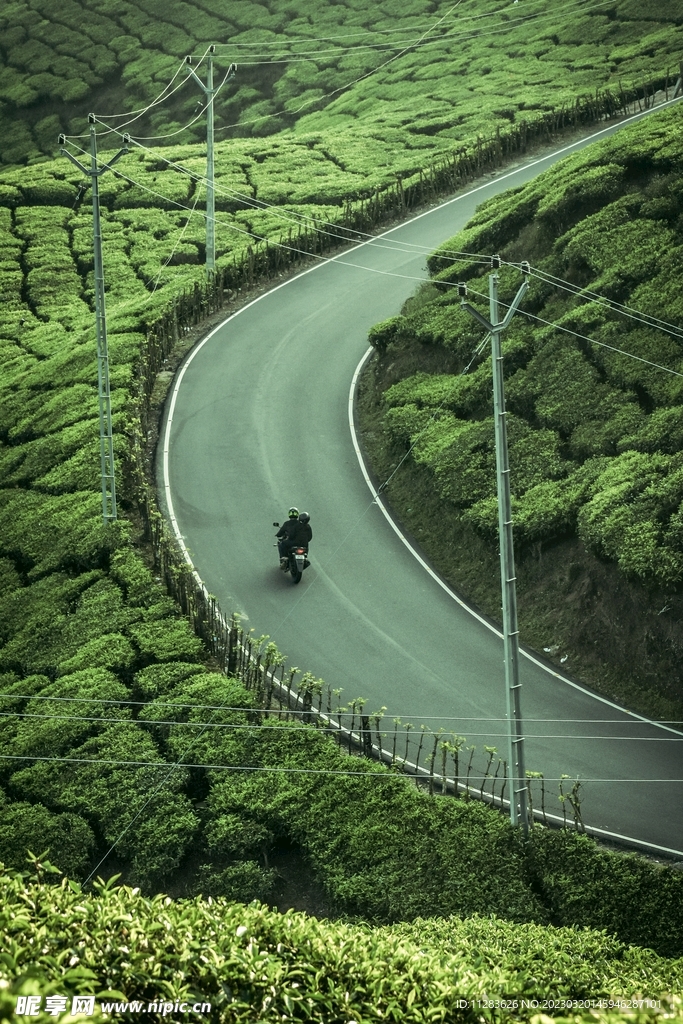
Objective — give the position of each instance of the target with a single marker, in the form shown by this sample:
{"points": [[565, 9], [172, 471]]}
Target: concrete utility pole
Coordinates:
{"points": [[210, 92], [519, 811], [104, 395]]}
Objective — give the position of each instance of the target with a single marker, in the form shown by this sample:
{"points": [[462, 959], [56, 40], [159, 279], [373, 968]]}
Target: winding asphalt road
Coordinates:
{"points": [[259, 420]]}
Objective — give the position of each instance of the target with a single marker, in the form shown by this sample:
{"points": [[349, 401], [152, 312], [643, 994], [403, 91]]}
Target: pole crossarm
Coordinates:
{"points": [[477, 316], [95, 172], [505, 322], [519, 809]]}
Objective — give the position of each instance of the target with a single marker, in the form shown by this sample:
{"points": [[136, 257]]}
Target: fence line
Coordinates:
{"points": [[237, 653]]}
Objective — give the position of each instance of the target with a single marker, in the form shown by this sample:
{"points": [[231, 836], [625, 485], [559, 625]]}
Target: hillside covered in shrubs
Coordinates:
{"points": [[595, 436], [118, 738], [439, 74]]}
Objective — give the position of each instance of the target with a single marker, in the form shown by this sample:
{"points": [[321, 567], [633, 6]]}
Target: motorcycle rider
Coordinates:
{"points": [[305, 534], [296, 532], [285, 536]]}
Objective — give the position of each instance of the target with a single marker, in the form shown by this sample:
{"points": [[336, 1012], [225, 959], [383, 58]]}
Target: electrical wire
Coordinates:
{"points": [[583, 337], [409, 277], [260, 727], [280, 244], [361, 32], [161, 98], [620, 307], [140, 301], [166, 262], [264, 238], [172, 768], [315, 224], [453, 35], [387, 774], [158, 99], [601, 344], [348, 85], [168, 135], [410, 45], [299, 220], [635, 720]]}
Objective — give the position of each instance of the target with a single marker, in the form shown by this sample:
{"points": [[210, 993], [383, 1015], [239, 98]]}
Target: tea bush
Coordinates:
{"points": [[110, 795], [56, 720], [372, 126], [123, 946], [32, 827], [593, 434], [85, 627], [594, 888]]}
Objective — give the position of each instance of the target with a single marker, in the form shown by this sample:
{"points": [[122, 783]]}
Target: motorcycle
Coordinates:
{"points": [[296, 562]]}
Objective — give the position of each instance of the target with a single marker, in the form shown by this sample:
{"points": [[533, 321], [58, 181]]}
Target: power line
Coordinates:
{"points": [[583, 337], [342, 88], [172, 253], [618, 307], [146, 803], [601, 344], [454, 255], [353, 35], [170, 135], [292, 217], [264, 238], [161, 98], [157, 702], [297, 726], [387, 774], [384, 273], [453, 35]]}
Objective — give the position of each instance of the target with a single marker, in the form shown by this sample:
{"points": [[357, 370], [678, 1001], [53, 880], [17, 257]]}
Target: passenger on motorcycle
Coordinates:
{"points": [[296, 532]]}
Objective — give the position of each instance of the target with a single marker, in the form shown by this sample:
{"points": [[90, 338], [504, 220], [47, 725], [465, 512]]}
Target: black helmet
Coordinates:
{"points": [[293, 513], [304, 517]]}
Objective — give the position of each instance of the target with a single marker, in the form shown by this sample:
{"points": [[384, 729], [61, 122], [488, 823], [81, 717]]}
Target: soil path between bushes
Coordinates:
{"points": [[259, 421]]}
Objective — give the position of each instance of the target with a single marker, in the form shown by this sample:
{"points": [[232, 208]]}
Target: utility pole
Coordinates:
{"points": [[210, 92], [103, 392], [519, 812]]}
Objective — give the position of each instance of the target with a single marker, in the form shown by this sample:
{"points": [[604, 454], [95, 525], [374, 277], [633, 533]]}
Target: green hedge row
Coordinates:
{"points": [[383, 850], [378, 115], [251, 963], [595, 437]]}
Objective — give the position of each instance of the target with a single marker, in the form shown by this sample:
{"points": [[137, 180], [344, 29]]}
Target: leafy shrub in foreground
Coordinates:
{"points": [[265, 965], [25, 826], [590, 887], [140, 807], [382, 849]]}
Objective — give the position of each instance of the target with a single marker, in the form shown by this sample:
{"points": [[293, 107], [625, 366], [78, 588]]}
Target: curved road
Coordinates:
{"points": [[259, 419]]}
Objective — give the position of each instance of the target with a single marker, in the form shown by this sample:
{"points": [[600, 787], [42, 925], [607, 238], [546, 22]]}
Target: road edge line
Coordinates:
{"points": [[447, 588]]}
